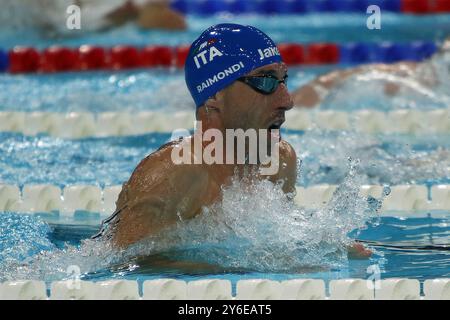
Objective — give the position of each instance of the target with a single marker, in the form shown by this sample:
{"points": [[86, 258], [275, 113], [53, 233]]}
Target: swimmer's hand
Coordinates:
{"points": [[358, 251]]}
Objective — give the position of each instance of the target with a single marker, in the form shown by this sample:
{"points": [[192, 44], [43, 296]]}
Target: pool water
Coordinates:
{"points": [[42, 247], [110, 161], [331, 27], [396, 254], [143, 90]]}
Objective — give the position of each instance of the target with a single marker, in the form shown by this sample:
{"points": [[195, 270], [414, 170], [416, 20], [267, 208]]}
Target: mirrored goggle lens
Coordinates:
{"points": [[264, 84]]}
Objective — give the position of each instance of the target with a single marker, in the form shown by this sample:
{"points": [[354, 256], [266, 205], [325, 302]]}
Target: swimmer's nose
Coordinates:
{"points": [[284, 98]]}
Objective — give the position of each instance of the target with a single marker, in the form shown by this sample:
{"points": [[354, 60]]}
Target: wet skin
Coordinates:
{"points": [[159, 193]]}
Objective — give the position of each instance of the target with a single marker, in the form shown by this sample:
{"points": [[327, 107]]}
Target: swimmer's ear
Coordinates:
{"points": [[215, 102]]}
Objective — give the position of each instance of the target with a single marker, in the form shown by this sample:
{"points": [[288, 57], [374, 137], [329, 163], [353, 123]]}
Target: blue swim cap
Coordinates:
{"points": [[222, 54]]}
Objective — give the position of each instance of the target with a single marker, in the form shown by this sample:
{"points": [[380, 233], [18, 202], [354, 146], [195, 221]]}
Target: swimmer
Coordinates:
{"points": [[50, 16], [251, 94], [148, 15], [426, 73]]}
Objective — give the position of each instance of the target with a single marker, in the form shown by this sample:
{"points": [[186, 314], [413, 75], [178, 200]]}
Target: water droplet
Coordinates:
{"points": [[386, 191]]}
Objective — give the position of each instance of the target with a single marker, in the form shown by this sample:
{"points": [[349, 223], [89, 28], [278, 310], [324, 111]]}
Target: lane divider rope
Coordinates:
{"points": [[88, 57], [110, 124], [219, 289], [208, 7], [42, 198]]}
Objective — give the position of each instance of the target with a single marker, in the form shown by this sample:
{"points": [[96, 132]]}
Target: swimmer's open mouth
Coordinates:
{"points": [[276, 125]]}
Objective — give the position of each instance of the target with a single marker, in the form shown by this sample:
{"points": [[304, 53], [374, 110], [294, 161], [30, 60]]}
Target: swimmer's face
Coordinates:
{"points": [[245, 108]]}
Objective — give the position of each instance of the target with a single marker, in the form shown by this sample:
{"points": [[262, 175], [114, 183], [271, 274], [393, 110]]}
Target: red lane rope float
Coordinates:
{"points": [[157, 56], [60, 59], [322, 53], [416, 6], [181, 54], [441, 6], [23, 60], [425, 6], [125, 57], [56, 59], [92, 58], [292, 53]]}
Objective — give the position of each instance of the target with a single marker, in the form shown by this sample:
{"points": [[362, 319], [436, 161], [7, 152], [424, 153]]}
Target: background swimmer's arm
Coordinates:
{"points": [[306, 96], [159, 15], [312, 93], [315, 91], [332, 79], [152, 15], [123, 14]]}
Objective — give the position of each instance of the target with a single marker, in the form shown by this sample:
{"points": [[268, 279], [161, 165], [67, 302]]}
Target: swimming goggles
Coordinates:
{"points": [[265, 84]]}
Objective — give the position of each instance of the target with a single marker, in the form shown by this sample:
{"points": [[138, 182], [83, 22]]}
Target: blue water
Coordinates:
{"points": [[153, 89], [333, 27], [162, 89], [387, 159], [390, 159], [402, 261]]}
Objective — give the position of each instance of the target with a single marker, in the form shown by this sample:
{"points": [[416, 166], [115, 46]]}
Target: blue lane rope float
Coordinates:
{"points": [[208, 7], [4, 61], [388, 52]]}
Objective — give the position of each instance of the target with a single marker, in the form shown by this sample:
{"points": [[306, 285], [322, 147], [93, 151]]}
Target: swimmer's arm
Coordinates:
{"points": [[311, 94], [148, 216], [157, 196], [141, 218], [331, 79], [306, 96], [120, 15], [162, 263], [159, 15]]}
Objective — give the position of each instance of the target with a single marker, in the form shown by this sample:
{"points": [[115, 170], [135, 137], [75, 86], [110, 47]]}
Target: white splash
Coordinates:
{"points": [[255, 227]]}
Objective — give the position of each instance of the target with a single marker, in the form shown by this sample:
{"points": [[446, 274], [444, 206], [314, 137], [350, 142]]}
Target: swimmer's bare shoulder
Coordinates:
{"points": [[157, 195]]}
